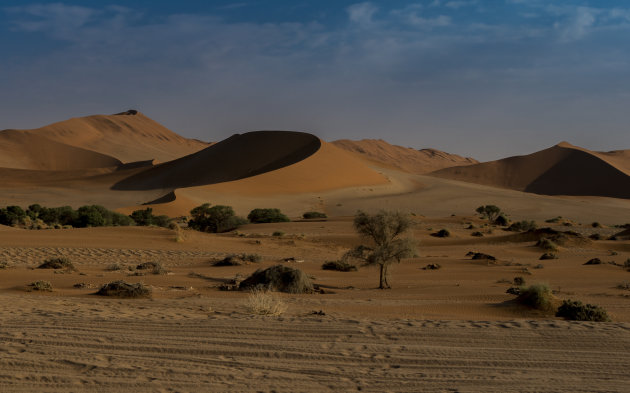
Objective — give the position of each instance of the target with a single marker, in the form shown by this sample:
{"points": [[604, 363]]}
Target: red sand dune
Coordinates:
{"points": [[246, 155], [128, 137], [405, 158], [560, 170]]}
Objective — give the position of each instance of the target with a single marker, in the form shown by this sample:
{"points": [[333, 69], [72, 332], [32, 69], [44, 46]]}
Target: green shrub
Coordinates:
{"points": [[215, 219], [490, 212], [12, 215], [145, 218], [538, 296], [340, 266], [576, 311], [310, 215], [259, 216], [523, 226]]}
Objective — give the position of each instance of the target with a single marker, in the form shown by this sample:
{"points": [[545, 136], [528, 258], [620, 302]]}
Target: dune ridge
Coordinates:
{"points": [[409, 160], [559, 170], [128, 137]]}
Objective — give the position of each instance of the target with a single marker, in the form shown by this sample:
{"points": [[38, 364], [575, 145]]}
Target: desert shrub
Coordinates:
{"points": [[522, 226], [441, 233], [576, 311], [489, 212], [12, 215], [477, 234], [480, 256], [154, 267], [57, 263], [264, 302], [547, 244], [278, 233], [548, 255], [501, 220], [514, 291], [40, 285], [115, 267], [340, 266], [123, 289], [594, 261], [554, 220], [520, 281], [63, 215], [98, 216], [626, 264], [596, 236], [146, 217], [538, 296], [230, 260], [310, 215], [596, 225], [259, 216], [432, 266], [624, 285], [280, 278], [215, 219]]}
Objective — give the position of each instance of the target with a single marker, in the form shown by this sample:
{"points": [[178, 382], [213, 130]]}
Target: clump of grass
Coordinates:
{"points": [[251, 257], [548, 255], [278, 234], [537, 296], [154, 267], [179, 233], [547, 244], [432, 266], [577, 311], [57, 263], [115, 267], [264, 302], [442, 233], [123, 289], [477, 234], [340, 266], [43, 286], [520, 281], [624, 285], [522, 226]]}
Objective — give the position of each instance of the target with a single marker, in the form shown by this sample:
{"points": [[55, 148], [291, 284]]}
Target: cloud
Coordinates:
{"points": [[362, 13]]}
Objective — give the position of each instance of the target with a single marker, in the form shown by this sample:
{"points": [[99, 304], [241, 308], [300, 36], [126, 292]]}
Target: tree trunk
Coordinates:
{"points": [[383, 284], [380, 283]]}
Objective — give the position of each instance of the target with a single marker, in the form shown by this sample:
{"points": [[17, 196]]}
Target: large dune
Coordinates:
{"points": [[560, 170], [256, 153], [405, 158], [128, 137]]}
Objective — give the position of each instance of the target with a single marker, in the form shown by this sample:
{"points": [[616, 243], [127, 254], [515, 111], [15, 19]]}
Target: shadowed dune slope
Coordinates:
{"points": [[560, 170], [405, 158], [128, 137], [238, 157], [22, 150]]}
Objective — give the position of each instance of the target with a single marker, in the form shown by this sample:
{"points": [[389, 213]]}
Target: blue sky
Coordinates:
{"points": [[480, 78]]}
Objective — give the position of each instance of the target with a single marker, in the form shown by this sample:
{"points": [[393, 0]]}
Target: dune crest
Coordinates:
{"points": [[409, 160], [127, 137], [563, 169]]}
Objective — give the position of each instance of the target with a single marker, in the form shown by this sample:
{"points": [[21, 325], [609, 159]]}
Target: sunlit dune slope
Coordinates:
{"points": [[560, 170], [256, 153], [23, 150], [128, 137], [405, 158]]}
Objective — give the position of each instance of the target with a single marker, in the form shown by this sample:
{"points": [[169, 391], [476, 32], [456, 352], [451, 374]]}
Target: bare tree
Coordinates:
{"points": [[384, 229]]}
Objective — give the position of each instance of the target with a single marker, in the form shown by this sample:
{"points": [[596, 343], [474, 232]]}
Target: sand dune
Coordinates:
{"points": [[408, 159], [23, 150], [234, 161], [560, 170], [127, 137]]}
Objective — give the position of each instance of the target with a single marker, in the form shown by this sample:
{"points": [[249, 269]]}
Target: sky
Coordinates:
{"points": [[486, 79]]}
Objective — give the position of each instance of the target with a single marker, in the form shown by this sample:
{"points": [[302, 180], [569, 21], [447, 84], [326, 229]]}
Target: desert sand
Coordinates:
{"points": [[451, 329]]}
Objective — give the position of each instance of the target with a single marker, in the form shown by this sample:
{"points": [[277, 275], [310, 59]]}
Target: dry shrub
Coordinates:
{"points": [[577, 311], [124, 290], [280, 278], [264, 302], [538, 296], [57, 263], [547, 244], [43, 286], [340, 266], [154, 267]]}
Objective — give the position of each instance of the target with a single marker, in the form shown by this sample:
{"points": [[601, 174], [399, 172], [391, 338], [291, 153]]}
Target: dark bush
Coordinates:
{"points": [[576, 311], [441, 233], [146, 217], [155, 267], [310, 215], [280, 278], [12, 215], [548, 255], [626, 264], [259, 216], [520, 281], [57, 263], [594, 261], [596, 236], [230, 260], [477, 234], [215, 219], [490, 212], [432, 266], [501, 220], [123, 289], [340, 266], [596, 225], [522, 226], [481, 256]]}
